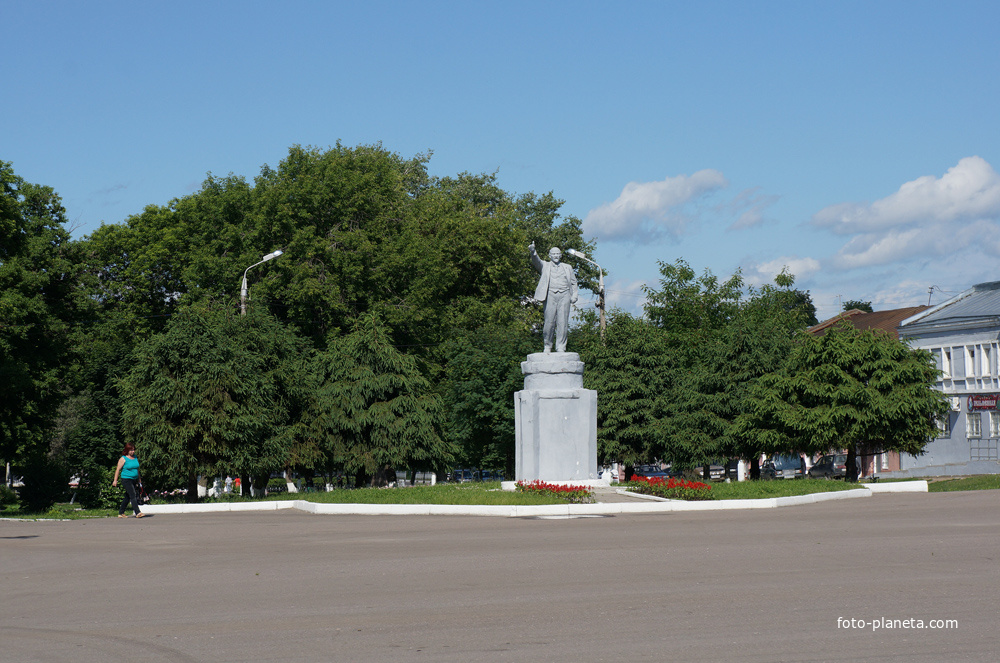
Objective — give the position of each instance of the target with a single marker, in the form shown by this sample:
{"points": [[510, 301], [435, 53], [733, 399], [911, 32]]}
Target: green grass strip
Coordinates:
{"points": [[980, 482]]}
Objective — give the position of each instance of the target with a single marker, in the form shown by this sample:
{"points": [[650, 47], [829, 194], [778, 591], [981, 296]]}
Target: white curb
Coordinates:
{"points": [[524, 511]]}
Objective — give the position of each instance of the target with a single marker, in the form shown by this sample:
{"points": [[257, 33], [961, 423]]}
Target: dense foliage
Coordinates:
{"points": [[388, 335], [860, 390], [352, 342]]}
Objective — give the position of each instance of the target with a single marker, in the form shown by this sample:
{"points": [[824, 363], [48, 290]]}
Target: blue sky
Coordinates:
{"points": [[856, 143]]}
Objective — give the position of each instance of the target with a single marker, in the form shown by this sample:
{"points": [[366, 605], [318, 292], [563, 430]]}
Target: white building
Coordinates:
{"points": [[963, 334]]}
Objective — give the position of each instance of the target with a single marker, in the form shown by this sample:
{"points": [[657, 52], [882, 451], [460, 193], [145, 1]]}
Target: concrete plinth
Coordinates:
{"points": [[555, 421]]}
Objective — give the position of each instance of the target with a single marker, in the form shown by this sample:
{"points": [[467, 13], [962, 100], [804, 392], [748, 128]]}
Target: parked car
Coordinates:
{"points": [[831, 466], [489, 475], [716, 472], [783, 466], [463, 475], [649, 471]]}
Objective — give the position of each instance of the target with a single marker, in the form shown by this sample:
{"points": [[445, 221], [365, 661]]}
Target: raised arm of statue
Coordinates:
{"points": [[535, 260]]}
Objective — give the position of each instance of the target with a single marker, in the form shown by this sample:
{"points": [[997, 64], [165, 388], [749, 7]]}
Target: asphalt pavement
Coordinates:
{"points": [[761, 585]]}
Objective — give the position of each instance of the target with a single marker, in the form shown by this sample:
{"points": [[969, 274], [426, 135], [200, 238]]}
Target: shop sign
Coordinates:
{"points": [[983, 402]]}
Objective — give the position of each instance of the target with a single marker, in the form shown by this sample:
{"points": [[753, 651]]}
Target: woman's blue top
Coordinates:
{"points": [[130, 470]]}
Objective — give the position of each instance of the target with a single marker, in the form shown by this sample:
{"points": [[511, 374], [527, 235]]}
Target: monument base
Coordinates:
{"points": [[555, 421]]}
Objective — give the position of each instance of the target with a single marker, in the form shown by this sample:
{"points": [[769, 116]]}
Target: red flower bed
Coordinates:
{"points": [[670, 488], [572, 494]]}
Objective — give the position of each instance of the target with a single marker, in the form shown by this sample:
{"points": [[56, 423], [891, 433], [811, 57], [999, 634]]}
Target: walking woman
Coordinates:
{"points": [[128, 467]]}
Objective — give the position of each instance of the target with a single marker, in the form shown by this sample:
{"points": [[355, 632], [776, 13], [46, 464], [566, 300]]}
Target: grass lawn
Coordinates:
{"points": [[478, 494], [751, 490], [61, 511], [980, 482]]}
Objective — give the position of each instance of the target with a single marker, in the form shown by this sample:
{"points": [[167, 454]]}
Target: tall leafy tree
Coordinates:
{"points": [[630, 371], [756, 341], [38, 286], [857, 389], [382, 412], [693, 311], [212, 394], [483, 373]]}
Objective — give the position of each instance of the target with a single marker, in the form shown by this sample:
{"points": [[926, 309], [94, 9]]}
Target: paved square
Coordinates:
{"points": [[764, 585]]}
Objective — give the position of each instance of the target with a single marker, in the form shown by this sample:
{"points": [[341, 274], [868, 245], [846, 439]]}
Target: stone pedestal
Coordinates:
{"points": [[555, 421]]}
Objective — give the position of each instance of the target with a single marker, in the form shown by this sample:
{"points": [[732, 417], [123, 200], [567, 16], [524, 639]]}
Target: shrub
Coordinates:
{"points": [[45, 482], [96, 491], [7, 496]]}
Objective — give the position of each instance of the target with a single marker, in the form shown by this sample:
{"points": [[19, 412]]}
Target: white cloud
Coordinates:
{"points": [[927, 218], [932, 240], [627, 295], [758, 274], [970, 190], [651, 209], [749, 205]]}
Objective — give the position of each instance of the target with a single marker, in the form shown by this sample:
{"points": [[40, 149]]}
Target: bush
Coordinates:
{"points": [[96, 491], [7, 496], [45, 482]]}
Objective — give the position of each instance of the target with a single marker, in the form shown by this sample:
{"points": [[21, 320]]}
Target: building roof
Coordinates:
{"points": [[978, 306], [885, 321]]}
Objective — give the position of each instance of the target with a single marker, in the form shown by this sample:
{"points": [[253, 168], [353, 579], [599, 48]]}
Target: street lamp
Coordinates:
{"points": [[243, 287], [600, 285]]}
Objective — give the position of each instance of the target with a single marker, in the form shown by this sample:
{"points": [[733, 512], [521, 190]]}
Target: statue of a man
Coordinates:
{"points": [[557, 289]]}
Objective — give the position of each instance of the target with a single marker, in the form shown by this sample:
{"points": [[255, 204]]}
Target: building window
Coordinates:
{"points": [[973, 425], [970, 362], [987, 364], [983, 450], [946, 362], [994, 424]]}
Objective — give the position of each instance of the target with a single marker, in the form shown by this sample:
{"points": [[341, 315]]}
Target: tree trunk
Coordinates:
{"points": [[192, 489], [260, 484], [851, 471]]}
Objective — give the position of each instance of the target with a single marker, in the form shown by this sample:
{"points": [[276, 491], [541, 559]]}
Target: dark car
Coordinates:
{"points": [[831, 466], [460, 475], [783, 466], [649, 471]]}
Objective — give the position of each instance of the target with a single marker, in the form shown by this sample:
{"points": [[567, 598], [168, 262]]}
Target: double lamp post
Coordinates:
{"points": [[600, 285]]}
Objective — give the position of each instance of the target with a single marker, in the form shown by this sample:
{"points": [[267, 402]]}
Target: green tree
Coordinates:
{"points": [[693, 312], [212, 394], [381, 411], [483, 373], [861, 390], [755, 342], [852, 304], [630, 372], [38, 285]]}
